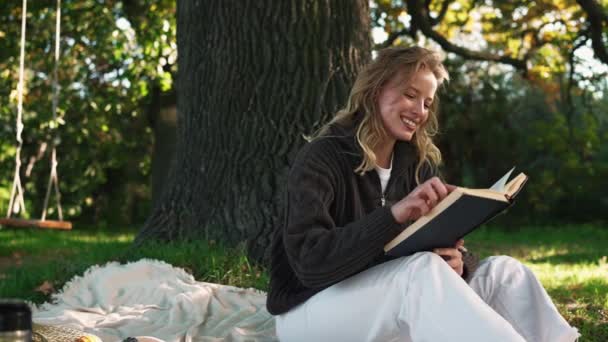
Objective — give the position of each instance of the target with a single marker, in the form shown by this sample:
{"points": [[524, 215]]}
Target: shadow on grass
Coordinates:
{"points": [[594, 333], [565, 254], [590, 330], [583, 306], [592, 257]]}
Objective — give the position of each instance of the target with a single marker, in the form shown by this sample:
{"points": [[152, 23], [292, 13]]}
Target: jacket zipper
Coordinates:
{"points": [[383, 193], [388, 186], [391, 180]]}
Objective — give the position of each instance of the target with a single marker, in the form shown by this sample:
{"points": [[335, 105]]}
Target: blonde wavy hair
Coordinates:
{"points": [[391, 61]]}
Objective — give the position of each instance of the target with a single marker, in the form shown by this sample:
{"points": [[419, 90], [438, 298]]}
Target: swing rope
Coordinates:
{"points": [[53, 178], [17, 203], [17, 189]]}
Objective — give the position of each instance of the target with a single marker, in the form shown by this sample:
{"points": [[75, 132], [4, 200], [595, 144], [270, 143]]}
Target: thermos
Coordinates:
{"points": [[15, 321]]}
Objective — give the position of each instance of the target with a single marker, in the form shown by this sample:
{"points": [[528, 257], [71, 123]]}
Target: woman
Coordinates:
{"points": [[370, 172]]}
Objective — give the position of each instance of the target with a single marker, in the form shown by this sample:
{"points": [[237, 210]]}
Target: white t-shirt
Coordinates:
{"points": [[384, 174]]}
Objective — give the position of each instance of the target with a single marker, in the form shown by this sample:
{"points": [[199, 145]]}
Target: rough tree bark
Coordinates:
{"points": [[162, 118], [254, 76]]}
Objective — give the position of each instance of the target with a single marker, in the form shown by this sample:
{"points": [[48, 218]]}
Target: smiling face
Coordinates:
{"points": [[404, 105]]}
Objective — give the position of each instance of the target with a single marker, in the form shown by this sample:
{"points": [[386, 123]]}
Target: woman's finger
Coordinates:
{"points": [[450, 187], [450, 252], [453, 257], [419, 206], [439, 187], [429, 195], [455, 263]]}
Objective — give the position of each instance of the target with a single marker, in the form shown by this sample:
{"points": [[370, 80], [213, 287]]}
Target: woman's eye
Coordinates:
{"points": [[409, 96]]}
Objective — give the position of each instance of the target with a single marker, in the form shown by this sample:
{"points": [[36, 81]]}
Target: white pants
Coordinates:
{"points": [[420, 298]]}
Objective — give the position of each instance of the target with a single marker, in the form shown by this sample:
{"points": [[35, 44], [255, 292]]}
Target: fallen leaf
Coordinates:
{"points": [[17, 258], [576, 305], [45, 288]]}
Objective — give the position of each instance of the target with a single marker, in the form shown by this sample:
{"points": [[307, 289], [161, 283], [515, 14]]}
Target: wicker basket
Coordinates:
{"points": [[54, 333]]}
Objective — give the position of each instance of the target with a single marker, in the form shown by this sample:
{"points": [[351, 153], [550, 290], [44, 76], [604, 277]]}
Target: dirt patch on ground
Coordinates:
{"points": [[18, 258], [15, 259], [6, 262]]}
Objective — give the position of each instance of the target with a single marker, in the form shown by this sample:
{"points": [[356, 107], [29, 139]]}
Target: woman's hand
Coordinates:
{"points": [[420, 201], [453, 256]]}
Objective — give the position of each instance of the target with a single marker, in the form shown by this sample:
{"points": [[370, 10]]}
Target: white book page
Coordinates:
{"points": [[500, 185]]}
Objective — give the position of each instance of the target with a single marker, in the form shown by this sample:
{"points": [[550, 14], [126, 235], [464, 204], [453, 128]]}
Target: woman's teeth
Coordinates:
{"points": [[408, 122]]}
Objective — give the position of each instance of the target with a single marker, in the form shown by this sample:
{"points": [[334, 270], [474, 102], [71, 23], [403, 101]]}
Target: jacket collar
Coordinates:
{"points": [[404, 153]]}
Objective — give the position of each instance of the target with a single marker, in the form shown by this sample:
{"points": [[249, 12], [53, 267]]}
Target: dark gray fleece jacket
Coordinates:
{"points": [[335, 223]]}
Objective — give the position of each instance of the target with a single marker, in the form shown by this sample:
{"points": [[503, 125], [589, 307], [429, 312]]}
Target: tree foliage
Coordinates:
{"points": [[491, 123], [535, 37], [111, 55], [528, 88]]}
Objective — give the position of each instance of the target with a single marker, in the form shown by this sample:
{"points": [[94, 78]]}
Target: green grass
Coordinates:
{"points": [[30, 257], [570, 261]]}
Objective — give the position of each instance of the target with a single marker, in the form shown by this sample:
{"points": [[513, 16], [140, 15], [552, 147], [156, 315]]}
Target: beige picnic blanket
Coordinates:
{"points": [[153, 298]]}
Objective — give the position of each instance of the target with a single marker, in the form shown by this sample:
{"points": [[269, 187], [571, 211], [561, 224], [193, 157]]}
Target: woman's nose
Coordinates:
{"points": [[419, 107]]}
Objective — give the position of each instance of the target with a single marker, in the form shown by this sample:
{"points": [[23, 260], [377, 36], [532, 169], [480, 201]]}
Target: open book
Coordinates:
{"points": [[456, 215]]}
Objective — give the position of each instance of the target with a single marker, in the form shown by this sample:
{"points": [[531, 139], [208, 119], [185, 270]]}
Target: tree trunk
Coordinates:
{"points": [[162, 118], [253, 78]]}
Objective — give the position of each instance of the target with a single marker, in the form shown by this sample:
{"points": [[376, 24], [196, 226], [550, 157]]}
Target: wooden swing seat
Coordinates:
{"points": [[46, 224]]}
